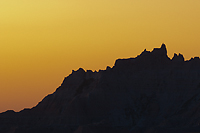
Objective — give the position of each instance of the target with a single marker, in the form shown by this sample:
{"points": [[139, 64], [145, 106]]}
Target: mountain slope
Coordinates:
{"points": [[149, 93]]}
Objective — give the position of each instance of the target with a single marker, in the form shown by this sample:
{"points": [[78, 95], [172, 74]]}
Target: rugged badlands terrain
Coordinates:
{"points": [[149, 93]]}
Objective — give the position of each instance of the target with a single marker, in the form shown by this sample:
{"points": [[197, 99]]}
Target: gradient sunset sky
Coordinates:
{"points": [[42, 41]]}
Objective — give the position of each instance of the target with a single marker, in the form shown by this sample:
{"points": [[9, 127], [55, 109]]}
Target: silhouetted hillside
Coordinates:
{"points": [[149, 93]]}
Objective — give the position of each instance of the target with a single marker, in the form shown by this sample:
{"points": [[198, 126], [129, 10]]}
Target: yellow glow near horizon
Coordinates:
{"points": [[42, 41]]}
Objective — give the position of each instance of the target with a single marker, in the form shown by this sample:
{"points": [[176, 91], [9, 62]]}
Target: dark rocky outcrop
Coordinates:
{"points": [[149, 93]]}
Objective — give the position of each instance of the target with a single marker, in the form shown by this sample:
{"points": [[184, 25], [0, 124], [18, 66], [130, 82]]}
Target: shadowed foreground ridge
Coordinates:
{"points": [[149, 93]]}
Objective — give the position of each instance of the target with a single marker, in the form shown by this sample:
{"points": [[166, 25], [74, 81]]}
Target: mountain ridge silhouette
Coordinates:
{"points": [[148, 93]]}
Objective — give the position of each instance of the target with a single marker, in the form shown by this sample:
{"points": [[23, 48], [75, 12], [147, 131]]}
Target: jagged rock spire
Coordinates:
{"points": [[162, 51], [178, 58], [163, 46]]}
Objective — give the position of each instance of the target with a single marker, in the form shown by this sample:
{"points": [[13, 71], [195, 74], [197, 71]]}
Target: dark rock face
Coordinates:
{"points": [[149, 93]]}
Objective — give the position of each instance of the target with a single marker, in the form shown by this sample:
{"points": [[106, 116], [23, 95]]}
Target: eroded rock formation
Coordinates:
{"points": [[149, 93]]}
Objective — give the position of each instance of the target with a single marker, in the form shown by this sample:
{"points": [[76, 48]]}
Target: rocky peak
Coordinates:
{"points": [[80, 70], [162, 51], [157, 57], [178, 58]]}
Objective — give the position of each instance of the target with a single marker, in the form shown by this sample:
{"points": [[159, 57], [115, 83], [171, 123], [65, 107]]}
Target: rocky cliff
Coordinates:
{"points": [[149, 93]]}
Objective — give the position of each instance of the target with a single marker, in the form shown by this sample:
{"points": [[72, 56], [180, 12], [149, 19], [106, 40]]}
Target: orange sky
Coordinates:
{"points": [[41, 41]]}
